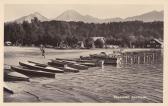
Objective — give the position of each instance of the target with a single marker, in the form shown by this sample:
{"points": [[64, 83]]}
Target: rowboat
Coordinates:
{"points": [[78, 60], [89, 64], [66, 59], [57, 63], [7, 89], [38, 64], [63, 66], [32, 73], [77, 66], [41, 67], [14, 76], [73, 64], [78, 63]]}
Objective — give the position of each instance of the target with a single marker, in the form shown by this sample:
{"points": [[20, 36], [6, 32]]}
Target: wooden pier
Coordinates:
{"points": [[143, 57]]}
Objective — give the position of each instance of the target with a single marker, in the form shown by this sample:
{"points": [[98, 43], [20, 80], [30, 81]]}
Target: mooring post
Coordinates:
{"points": [[147, 59], [119, 59], [102, 65], [131, 60], [138, 59], [144, 58], [153, 59], [126, 59]]}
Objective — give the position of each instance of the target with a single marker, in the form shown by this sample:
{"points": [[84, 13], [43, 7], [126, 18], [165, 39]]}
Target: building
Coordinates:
{"points": [[154, 43], [8, 43], [112, 46]]}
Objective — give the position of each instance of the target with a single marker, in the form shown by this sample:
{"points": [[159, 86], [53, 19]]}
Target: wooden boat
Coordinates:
{"points": [[78, 63], [78, 66], [74, 64], [8, 90], [89, 64], [38, 64], [110, 59], [41, 67], [65, 59], [63, 66], [78, 60], [32, 73], [71, 64], [14, 76], [57, 63]]}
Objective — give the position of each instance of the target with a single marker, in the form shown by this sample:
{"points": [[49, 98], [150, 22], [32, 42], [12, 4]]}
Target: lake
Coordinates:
{"points": [[133, 83]]}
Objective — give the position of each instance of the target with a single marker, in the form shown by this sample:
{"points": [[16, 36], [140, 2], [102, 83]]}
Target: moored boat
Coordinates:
{"points": [[63, 66], [77, 63], [57, 63], [14, 76], [32, 73], [7, 89], [41, 67], [89, 64]]}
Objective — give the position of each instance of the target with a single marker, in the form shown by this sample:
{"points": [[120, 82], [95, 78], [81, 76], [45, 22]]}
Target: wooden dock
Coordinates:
{"points": [[141, 57]]}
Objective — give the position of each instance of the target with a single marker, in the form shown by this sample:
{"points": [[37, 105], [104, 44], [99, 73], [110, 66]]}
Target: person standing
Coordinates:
{"points": [[42, 50]]}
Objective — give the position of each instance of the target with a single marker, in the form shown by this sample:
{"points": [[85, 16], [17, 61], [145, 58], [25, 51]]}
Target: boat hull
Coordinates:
{"points": [[15, 76], [32, 73], [42, 68], [63, 67]]}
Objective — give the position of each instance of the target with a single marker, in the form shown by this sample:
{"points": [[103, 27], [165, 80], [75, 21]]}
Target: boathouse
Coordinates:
{"points": [[154, 43]]}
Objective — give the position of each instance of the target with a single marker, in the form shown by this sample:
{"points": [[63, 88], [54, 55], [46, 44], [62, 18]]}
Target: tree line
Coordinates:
{"points": [[56, 33]]}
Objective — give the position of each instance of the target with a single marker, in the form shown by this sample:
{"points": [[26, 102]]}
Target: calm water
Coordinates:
{"points": [[130, 83]]}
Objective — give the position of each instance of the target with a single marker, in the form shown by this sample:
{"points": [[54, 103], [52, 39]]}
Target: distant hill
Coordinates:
{"points": [[30, 17], [148, 17], [72, 15]]}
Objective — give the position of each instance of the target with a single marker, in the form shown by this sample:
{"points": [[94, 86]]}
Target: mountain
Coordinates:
{"points": [[117, 19], [30, 17], [72, 15], [148, 17]]}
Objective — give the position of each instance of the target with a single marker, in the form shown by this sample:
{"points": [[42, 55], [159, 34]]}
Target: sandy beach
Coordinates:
{"points": [[142, 83]]}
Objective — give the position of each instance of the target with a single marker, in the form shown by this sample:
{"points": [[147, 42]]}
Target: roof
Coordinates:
{"points": [[95, 38], [159, 41], [8, 42]]}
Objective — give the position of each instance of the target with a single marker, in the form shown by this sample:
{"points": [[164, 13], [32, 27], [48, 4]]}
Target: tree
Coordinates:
{"points": [[71, 41], [99, 43], [89, 43], [123, 33], [132, 39]]}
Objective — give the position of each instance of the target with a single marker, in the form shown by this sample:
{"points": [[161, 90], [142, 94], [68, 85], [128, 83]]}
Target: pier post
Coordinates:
{"points": [[147, 59], [144, 58], [138, 59], [153, 58], [126, 59], [119, 59], [102, 65], [131, 60]]}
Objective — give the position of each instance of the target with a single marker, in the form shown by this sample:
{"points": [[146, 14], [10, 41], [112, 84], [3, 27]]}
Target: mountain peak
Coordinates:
{"points": [[73, 15], [28, 18], [148, 17], [36, 13]]}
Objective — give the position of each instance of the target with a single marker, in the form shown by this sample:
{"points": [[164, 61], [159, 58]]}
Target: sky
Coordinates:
{"points": [[15, 11]]}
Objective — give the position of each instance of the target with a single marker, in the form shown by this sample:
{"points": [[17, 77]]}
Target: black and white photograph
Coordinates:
{"points": [[83, 53]]}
